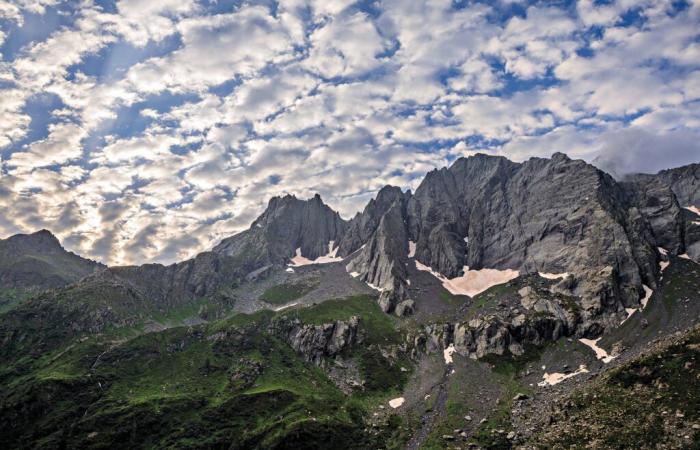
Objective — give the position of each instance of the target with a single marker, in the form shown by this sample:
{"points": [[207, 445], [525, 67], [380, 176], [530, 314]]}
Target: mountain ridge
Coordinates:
{"points": [[293, 333]]}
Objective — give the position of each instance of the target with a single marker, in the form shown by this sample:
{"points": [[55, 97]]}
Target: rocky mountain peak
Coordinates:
{"points": [[38, 261], [560, 157], [42, 240], [287, 225]]}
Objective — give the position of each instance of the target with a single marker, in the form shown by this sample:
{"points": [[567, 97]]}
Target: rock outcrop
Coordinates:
{"points": [[533, 317], [317, 342]]}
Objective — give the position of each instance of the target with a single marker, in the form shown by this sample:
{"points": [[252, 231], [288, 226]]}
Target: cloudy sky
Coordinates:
{"points": [[141, 131]]}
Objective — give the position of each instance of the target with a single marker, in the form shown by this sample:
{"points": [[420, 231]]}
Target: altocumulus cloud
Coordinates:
{"points": [[143, 131]]}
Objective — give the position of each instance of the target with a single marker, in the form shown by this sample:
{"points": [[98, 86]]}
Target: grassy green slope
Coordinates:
{"points": [[228, 384]]}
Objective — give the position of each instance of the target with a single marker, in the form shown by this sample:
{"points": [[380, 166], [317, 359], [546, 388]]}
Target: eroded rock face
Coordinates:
{"points": [[675, 229], [536, 314], [492, 334], [692, 239], [316, 342], [450, 201], [363, 226]]}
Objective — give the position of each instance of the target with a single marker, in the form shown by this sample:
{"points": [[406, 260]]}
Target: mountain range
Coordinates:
{"points": [[489, 308]]}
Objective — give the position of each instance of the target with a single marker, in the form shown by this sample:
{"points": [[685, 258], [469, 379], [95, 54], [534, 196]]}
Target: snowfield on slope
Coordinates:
{"points": [[299, 260], [550, 379], [600, 353], [473, 282]]}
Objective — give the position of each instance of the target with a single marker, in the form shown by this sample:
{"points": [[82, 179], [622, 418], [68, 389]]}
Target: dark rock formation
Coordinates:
{"points": [[450, 201], [550, 215], [364, 224], [677, 231]]}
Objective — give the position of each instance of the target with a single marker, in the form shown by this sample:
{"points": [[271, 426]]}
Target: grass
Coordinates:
{"points": [[226, 384], [9, 297], [285, 293], [447, 297], [198, 308]]}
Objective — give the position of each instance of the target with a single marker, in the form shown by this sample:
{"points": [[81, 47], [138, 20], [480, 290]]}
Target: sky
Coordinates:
{"points": [[143, 131]]}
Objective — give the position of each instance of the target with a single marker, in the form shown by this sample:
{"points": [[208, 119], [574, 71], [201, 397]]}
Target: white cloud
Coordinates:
{"points": [[62, 145], [346, 46], [215, 49], [143, 21], [635, 150]]}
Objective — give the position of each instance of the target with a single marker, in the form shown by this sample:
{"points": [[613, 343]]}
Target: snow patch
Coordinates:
{"points": [[629, 311], [447, 353], [553, 276], [647, 295], [600, 353], [331, 257], [357, 274], [663, 251], [648, 292], [280, 308], [693, 209], [663, 265], [685, 256], [411, 249], [473, 282], [289, 270], [376, 288], [395, 403], [550, 379]]}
